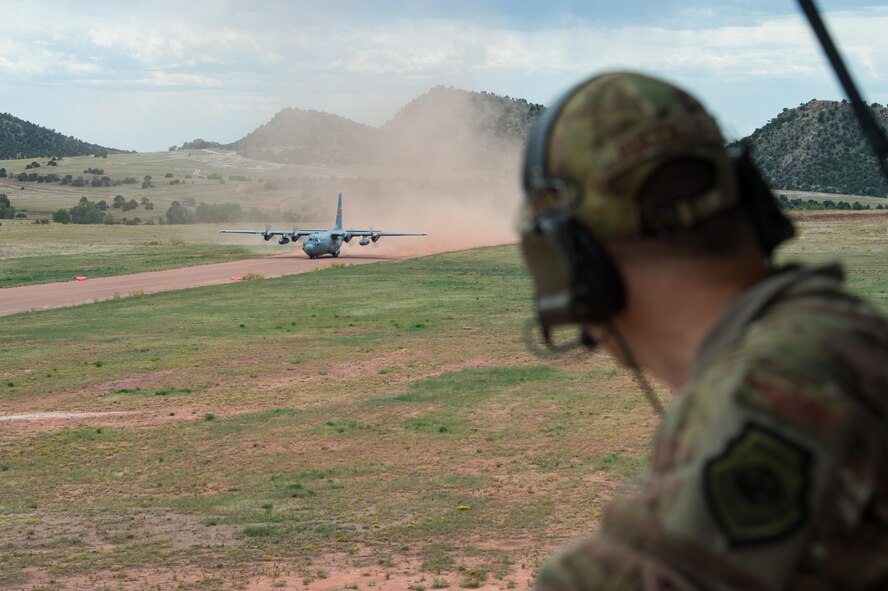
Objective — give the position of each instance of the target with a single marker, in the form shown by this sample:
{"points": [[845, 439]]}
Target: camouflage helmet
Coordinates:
{"points": [[591, 152], [587, 159]]}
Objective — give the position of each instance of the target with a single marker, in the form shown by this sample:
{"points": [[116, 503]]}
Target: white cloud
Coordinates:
{"points": [[178, 45], [776, 47], [167, 79], [310, 55], [19, 59]]}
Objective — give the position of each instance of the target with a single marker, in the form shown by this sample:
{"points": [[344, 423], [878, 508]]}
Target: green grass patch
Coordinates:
{"points": [[623, 466], [473, 385], [61, 267]]}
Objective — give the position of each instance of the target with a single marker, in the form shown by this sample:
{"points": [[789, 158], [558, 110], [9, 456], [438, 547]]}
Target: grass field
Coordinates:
{"points": [[298, 192], [378, 426], [31, 254]]}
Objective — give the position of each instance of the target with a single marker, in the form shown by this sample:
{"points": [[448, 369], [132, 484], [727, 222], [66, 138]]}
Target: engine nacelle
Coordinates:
{"points": [[266, 236], [375, 236], [364, 241], [346, 238], [283, 240]]}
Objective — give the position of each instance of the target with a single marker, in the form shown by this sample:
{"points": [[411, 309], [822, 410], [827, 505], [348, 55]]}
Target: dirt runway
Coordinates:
{"points": [[72, 293]]}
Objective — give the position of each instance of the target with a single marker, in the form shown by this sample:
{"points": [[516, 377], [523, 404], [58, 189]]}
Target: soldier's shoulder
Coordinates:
{"points": [[810, 361]]}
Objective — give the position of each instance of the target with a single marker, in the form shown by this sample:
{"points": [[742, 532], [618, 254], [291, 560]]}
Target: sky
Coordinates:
{"points": [[146, 76]]}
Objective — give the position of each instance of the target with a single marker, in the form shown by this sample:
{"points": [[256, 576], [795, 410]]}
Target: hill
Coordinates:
{"points": [[497, 117], [818, 146], [444, 126], [815, 147], [22, 139], [450, 128], [297, 136]]}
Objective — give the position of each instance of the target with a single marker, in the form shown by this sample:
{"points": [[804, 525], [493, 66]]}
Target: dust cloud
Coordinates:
{"points": [[473, 213], [465, 163]]}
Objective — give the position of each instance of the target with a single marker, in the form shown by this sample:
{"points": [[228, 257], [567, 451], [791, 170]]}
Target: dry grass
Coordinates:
{"points": [[373, 425]]}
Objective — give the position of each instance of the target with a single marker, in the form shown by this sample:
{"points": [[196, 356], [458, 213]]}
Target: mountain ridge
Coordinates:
{"points": [[819, 146], [443, 124], [23, 139]]}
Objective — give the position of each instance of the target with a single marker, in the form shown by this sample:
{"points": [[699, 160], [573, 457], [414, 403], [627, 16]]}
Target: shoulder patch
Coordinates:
{"points": [[757, 488]]}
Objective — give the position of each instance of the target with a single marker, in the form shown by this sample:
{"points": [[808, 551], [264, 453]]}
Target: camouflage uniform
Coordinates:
{"points": [[770, 471]]}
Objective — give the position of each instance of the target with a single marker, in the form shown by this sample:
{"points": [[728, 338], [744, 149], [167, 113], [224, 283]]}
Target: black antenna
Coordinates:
{"points": [[874, 134]]}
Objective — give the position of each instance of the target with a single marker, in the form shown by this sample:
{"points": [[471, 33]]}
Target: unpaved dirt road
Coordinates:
{"points": [[73, 293]]}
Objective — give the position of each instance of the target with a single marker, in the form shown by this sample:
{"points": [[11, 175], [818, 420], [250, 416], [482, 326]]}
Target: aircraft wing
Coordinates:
{"points": [[270, 233], [372, 233]]}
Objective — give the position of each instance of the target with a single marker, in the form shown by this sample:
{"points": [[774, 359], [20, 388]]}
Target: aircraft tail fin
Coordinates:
{"points": [[338, 225]]}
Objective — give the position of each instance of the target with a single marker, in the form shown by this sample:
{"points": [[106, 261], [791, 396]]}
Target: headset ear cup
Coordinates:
{"points": [[598, 290]]}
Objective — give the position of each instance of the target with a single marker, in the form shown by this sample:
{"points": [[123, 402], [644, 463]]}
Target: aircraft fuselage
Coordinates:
{"points": [[314, 245]]}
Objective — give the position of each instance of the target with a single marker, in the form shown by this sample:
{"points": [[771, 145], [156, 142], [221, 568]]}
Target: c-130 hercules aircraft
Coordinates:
{"points": [[318, 242]]}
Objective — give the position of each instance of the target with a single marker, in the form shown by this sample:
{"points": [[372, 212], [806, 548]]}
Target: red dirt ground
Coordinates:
{"points": [[73, 293]]}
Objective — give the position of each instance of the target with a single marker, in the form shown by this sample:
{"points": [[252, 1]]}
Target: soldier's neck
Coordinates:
{"points": [[670, 311]]}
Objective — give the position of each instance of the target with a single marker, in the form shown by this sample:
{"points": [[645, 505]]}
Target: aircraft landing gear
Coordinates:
{"points": [[336, 254]]}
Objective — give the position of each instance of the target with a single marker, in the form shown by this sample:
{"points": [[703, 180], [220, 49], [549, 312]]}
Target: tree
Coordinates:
{"points": [[118, 202], [61, 216], [7, 211], [86, 212], [179, 214], [2, 173], [131, 204], [217, 212]]}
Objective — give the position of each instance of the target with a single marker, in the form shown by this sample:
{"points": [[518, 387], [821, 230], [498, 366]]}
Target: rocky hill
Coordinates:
{"points": [[818, 146], [21, 139]]}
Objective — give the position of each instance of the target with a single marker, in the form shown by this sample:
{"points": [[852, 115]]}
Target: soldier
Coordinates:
{"points": [[769, 468]]}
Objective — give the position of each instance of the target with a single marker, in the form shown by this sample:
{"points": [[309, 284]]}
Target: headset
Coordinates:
{"points": [[576, 279]]}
